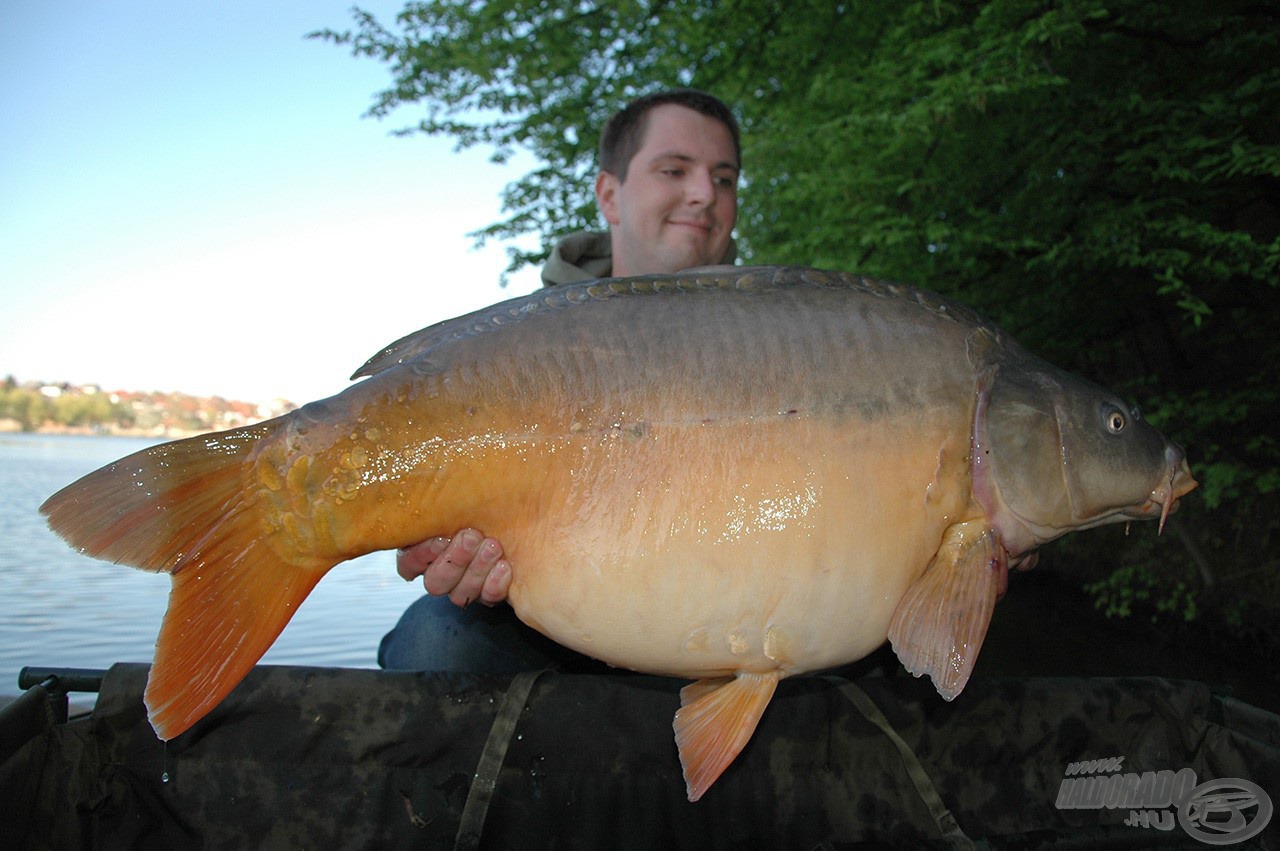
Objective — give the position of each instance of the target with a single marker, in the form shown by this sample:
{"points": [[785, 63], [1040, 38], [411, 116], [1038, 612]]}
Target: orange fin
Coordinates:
{"points": [[182, 507], [715, 722], [152, 508], [223, 615], [942, 619]]}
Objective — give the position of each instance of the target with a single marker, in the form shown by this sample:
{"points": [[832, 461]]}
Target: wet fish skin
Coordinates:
{"points": [[731, 476], [1070, 455]]}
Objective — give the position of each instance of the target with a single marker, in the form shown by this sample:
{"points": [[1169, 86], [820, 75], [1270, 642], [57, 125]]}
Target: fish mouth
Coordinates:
{"points": [[1163, 500]]}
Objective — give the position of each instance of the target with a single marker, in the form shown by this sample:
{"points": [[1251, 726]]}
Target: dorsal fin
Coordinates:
{"points": [[420, 343]]}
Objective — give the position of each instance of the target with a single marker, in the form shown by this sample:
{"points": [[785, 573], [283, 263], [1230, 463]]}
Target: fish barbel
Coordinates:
{"points": [[731, 475]]}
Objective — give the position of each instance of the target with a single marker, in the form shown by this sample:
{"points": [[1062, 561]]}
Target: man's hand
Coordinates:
{"points": [[467, 567]]}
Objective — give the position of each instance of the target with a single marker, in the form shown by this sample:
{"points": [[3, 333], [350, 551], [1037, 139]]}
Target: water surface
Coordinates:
{"points": [[60, 608]]}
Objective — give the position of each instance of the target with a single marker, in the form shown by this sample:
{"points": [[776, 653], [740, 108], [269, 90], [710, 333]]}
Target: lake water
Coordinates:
{"points": [[60, 608]]}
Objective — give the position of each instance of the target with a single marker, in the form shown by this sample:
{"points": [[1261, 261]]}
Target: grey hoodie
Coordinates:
{"points": [[585, 255]]}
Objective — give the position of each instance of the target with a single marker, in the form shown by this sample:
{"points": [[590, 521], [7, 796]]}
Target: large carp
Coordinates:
{"points": [[733, 475]]}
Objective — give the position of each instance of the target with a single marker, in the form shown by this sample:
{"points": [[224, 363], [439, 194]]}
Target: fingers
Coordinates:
{"points": [[446, 572], [497, 583], [412, 562], [467, 567], [478, 556]]}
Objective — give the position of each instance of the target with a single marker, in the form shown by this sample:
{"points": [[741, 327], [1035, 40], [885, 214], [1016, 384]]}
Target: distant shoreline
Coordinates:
{"points": [[36, 407], [8, 427]]}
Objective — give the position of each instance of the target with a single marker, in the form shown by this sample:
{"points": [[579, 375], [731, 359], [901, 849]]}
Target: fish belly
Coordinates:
{"points": [[702, 550]]}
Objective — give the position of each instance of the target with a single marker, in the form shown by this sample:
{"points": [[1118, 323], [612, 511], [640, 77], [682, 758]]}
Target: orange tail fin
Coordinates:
{"points": [[182, 507]]}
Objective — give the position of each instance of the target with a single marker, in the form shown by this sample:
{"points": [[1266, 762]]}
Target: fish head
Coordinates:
{"points": [[1054, 453]]}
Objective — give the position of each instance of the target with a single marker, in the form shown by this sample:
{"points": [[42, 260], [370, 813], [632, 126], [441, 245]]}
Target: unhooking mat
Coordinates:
{"points": [[332, 758]]}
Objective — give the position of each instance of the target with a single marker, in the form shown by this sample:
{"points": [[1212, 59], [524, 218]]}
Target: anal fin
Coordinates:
{"points": [[715, 722], [942, 619]]}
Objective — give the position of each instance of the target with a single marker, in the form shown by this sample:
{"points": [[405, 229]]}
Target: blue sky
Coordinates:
{"points": [[190, 200]]}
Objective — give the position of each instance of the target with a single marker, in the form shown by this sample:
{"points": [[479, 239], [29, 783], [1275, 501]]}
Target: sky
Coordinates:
{"points": [[191, 200]]}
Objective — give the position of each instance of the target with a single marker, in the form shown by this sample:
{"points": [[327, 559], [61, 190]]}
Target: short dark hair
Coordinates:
{"points": [[624, 133]]}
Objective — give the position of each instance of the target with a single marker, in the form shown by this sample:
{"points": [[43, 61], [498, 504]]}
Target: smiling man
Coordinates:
{"points": [[668, 187], [672, 204]]}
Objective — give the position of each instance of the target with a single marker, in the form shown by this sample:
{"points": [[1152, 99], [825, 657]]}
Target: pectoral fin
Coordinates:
{"points": [[942, 619], [715, 722]]}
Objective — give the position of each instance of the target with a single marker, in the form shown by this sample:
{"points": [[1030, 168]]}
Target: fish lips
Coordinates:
{"points": [[1163, 499]]}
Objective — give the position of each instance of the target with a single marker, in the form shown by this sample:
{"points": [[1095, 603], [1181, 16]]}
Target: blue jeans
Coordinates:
{"points": [[435, 635]]}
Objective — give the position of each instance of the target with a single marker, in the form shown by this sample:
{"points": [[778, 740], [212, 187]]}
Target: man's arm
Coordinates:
{"points": [[467, 567]]}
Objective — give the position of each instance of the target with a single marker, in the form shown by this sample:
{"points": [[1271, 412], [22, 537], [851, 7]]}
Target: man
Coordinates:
{"points": [[668, 187]]}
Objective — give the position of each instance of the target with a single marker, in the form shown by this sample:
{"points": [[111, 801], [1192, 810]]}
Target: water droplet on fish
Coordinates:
{"points": [[164, 778]]}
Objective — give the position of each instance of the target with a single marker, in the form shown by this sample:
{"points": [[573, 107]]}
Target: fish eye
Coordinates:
{"points": [[1115, 421]]}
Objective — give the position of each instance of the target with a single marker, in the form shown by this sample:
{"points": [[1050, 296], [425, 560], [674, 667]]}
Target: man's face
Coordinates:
{"points": [[677, 206]]}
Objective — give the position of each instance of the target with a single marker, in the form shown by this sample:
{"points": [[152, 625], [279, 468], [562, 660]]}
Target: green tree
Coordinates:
{"points": [[27, 406], [1100, 176], [78, 410]]}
